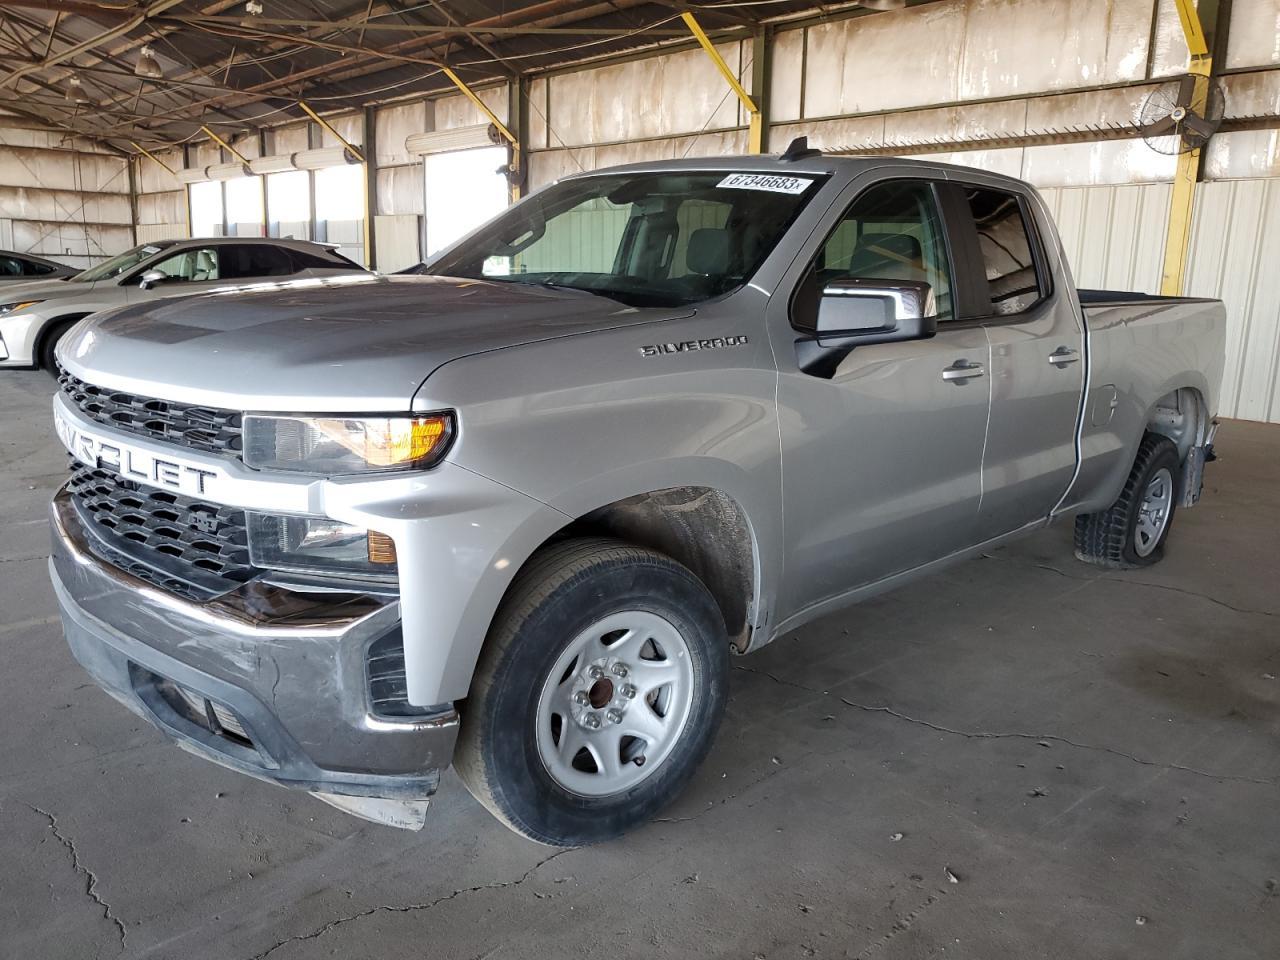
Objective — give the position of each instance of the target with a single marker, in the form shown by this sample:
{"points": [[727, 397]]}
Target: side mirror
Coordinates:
{"points": [[151, 277], [857, 311]]}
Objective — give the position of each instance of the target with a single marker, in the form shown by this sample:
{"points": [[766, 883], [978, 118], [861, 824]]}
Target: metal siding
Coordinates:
{"points": [[1233, 258], [1113, 236]]}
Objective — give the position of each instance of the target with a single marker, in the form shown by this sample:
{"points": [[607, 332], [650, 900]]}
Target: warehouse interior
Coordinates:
{"points": [[1017, 758]]}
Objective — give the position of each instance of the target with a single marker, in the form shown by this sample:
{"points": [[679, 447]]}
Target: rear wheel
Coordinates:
{"points": [[1132, 531], [600, 690]]}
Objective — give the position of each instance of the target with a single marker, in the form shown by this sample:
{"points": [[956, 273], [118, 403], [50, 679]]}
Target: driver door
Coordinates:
{"points": [[192, 270], [881, 446]]}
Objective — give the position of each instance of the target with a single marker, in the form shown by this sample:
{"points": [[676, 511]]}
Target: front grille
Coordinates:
{"points": [[189, 547], [200, 428]]}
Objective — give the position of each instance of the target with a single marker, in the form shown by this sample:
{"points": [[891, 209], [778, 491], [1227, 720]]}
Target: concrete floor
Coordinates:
{"points": [[1022, 757]]}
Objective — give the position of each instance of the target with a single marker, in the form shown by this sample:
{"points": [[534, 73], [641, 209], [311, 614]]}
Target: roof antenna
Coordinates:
{"points": [[799, 149]]}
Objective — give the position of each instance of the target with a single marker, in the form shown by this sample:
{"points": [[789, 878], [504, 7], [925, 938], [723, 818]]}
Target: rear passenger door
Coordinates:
{"points": [[1037, 359]]}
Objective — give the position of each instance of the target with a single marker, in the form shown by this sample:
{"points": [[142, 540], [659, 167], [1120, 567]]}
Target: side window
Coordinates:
{"points": [[1005, 241], [10, 267], [190, 265], [890, 232], [321, 259], [34, 269], [249, 261]]}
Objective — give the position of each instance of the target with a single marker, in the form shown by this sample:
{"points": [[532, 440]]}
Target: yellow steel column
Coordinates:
{"points": [[366, 232], [1182, 203], [755, 129]]}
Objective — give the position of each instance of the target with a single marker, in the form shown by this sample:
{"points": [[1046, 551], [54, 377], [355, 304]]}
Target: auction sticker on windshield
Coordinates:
{"points": [[765, 181]]}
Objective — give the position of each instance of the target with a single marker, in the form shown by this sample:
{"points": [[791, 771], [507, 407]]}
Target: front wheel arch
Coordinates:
{"points": [[50, 334]]}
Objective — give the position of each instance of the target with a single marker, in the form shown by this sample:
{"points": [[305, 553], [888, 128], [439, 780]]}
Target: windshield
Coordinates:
{"points": [[119, 264], [644, 239]]}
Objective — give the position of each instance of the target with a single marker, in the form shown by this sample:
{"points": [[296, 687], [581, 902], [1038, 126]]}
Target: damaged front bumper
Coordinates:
{"points": [[273, 683]]}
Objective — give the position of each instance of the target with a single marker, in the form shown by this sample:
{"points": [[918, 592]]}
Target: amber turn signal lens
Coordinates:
{"points": [[382, 549]]}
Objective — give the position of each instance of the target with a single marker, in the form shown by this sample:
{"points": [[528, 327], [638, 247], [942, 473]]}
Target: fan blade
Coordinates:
{"points": [[1159, 128], [1186, 89], [1199, 126]]}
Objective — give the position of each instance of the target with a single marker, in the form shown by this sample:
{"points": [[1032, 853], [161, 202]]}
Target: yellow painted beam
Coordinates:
{"points": [[355, 151], [755, 128], [1191, 28], [151, 156], [471, 95], [226, 146], [1182, 203]]}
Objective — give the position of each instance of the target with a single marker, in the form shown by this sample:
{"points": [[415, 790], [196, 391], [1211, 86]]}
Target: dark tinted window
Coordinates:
{"points": [[322, 259], [11, 267], [248, 261], [1006, 245], [37, 269]]}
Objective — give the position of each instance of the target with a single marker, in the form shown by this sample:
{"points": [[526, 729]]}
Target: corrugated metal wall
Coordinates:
{"points": [[1114, 239], [1113, 236], [1235, 256]]}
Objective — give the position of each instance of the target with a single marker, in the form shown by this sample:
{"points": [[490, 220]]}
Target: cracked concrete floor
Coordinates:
{"points": [[1092, 757]]}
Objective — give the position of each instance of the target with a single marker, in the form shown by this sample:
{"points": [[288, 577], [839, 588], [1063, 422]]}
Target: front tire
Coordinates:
{"points": [[48, 344], [1132, 531], [602, 684]]}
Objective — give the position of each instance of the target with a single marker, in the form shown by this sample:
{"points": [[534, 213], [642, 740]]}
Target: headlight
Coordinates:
{"points": [[8, 308], [319, 545], [340, 445]]}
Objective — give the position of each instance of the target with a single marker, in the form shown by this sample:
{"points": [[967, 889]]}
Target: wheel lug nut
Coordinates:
{"points": [[629, 692], [581, 698], [595, 673], [619, 669], [592, 720], [615, 716]]}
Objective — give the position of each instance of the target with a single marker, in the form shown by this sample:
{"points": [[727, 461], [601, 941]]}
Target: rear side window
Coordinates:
{"points": [[254, 260], [1008, 257], [33, 268], [11, 267], [321, 259]]}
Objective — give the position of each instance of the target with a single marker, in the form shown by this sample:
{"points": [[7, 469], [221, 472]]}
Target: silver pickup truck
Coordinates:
{"points": [[517, 514]]}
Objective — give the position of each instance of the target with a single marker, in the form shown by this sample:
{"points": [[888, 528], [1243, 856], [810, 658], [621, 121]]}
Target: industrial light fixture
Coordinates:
{"points": [[883, 4], [148, 65], [254, 8], [75, 92]]}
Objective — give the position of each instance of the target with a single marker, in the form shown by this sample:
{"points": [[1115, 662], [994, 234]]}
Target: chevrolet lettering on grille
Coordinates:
{"points": [[130, 461]]}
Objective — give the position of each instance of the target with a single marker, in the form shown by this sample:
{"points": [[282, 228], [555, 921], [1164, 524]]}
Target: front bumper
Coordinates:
{"points": [[268, 682]]}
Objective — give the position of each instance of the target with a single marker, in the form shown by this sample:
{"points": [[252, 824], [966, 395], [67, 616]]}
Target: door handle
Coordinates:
{"points": [[963, 370], [1064, 355]]}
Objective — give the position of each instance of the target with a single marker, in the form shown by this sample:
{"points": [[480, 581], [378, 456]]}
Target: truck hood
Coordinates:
{"points": [[340, 344]]}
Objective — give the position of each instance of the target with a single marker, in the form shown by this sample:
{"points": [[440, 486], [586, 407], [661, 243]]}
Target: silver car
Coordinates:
{"points": [[35, 315]]}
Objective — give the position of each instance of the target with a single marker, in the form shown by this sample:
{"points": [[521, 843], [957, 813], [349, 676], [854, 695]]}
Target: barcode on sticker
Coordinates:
{"points": [[765, 181]]}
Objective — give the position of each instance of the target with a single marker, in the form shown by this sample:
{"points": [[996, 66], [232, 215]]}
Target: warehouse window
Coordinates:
{"points": [[244, 207], [1005, 240], [463, 190], [206, 209]]}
